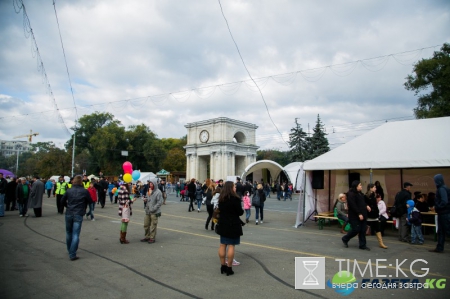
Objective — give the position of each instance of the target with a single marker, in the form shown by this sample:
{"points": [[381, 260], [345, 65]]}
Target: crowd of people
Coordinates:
{"points": [[367, 213], [225, 203]]}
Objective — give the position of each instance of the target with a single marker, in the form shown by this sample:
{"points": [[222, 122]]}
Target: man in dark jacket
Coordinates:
{"points": [[239, 188], [400, 204], [10, 195], [3, 184], [357, 215], [76, 199], [102, 187], [442, 208]]}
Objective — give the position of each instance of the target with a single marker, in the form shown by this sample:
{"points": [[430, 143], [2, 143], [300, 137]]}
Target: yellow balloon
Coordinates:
{"points": [[127, 178]]}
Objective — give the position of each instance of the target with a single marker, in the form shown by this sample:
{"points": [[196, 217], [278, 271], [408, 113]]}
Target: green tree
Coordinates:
{"points": [[298, 143], [175, 160], [280, 157], [87, 127], [107, 143], [137, 138], [318, 142], [431, 81]]}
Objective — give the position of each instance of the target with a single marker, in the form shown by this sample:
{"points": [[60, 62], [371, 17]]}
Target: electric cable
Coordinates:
{"points": [[239, 52]]}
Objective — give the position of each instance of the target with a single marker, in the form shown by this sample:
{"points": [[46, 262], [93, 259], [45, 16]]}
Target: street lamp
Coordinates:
{"points": [[18, 146]]}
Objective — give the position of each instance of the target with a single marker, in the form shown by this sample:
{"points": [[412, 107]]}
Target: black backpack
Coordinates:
{"points": [[256, 201]]}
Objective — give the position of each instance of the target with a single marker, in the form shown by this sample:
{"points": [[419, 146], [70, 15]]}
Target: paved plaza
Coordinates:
{"points": [[183, 263]]}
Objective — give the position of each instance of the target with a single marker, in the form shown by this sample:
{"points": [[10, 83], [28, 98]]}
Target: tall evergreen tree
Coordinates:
{"points": [[318, 142], [298, 144]]}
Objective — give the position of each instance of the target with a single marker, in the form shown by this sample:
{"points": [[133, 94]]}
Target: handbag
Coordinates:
{"points": [[216, 215], [256, 201]]}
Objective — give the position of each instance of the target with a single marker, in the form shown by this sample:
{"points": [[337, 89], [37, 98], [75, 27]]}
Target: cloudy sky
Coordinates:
{"points": [[168, 63]]}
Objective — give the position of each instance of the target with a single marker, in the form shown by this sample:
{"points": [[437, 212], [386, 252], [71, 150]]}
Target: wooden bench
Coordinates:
{"points": [[321, 219], [423, 224]]}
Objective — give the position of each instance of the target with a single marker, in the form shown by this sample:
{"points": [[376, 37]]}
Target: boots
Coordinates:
{"points": [[342, 229], [123, 238], [223, 269], [229, 271], [380, 240], [212, 225]]}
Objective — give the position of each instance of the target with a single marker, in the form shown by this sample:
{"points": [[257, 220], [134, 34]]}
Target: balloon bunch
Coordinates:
{"points": [[130, 174]]}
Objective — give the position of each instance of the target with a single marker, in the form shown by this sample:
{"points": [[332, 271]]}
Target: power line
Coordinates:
{"points": [[242, 59], [65, 60], [28, 31], [186, 94]]}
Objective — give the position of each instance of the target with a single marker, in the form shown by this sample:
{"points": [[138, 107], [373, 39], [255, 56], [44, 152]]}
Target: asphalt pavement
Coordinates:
{"points": [[183, 263]]}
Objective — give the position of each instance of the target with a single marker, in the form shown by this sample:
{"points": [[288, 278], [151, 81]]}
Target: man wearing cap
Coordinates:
{"points": [[400, 204], [442, 208], [37, 192]]}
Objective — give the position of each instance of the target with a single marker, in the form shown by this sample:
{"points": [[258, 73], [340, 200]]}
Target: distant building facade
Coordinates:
{"points": [[10, 148]]}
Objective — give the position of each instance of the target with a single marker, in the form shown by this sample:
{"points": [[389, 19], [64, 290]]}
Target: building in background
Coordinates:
{"points": [[9, 148]]}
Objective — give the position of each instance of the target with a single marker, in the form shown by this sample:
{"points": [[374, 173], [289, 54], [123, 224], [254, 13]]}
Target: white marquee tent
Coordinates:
{"points": [[395, 152]]}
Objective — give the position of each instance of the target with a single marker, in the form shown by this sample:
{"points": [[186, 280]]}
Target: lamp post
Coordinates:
{"points": [[18, 146]]}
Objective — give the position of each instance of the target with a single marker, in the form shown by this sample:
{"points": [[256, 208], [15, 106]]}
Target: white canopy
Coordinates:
{"points": [[145, 176], [422, 143], [272, 166], [294, 171]]}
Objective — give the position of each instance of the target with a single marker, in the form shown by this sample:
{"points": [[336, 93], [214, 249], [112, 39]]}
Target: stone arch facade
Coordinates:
{"points": [[219, 147]]}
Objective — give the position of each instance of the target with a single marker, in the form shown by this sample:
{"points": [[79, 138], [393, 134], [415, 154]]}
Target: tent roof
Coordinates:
{"points": [[272, 166], [422, 143]]}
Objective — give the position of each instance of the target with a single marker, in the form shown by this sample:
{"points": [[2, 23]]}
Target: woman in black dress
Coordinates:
{"points": [[229, 226]]}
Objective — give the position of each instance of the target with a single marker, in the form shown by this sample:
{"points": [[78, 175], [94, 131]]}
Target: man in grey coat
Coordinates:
{"points": [[37, 192], [152, 211]]}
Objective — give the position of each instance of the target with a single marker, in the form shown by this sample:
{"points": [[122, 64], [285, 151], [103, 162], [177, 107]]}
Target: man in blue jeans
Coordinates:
{"points": [[76, 199], [442, 208]]}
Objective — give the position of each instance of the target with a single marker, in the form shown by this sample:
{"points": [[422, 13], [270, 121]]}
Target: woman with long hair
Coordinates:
{"points": [[230, 227], [373, 213], [357, 216], [209, 190]]}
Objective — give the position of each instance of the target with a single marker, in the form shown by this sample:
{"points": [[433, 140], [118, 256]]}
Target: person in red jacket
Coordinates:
{"points": [[93, 194]]}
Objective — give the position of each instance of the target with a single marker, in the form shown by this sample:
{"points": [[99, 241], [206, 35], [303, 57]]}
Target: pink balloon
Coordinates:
{"points": [[127, 167]]}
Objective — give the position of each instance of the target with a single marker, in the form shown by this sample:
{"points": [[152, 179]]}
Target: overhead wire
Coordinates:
{"points": [[65, 60], [248, 72], [28, 30], [184, 95]]}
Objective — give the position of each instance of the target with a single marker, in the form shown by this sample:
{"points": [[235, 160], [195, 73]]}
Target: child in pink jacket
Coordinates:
{"points": [[247, 206]]}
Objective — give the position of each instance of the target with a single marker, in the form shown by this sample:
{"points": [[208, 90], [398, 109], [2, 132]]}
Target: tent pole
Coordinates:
{"points": [[304, 196], [371, 175], [329, 189]]}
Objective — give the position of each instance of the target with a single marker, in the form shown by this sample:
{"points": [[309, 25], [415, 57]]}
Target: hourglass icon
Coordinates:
{"points": [[310, 279]]}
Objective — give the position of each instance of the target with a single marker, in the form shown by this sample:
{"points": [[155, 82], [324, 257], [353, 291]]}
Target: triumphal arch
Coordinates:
{"points": [[219, 147]]}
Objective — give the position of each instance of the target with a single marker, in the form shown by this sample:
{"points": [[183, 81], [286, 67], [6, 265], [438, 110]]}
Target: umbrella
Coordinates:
{"points": [[7, 173]]}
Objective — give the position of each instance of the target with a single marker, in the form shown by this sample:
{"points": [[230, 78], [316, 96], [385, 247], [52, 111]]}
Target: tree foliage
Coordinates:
{"points": [[280, 157], [100, 140], [318, 142], [298, 143], [431, 81]]}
